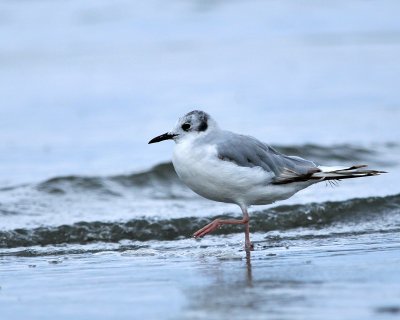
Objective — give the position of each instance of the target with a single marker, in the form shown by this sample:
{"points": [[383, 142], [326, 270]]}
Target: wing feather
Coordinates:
{"points": [[246, 151]]}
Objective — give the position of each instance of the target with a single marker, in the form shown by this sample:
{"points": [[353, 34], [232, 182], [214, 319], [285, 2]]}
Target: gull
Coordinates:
{"points": [[228, 167]]}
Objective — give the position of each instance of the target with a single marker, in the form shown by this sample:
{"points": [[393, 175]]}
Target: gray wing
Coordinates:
{"points": [[246, 151]]}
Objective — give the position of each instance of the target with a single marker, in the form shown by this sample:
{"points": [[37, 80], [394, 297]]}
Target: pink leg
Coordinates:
{"points": [[219, 222], [247, 243]]}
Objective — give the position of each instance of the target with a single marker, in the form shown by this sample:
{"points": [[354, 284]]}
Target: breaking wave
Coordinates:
{"points": [[160, 176], [314, 216]]}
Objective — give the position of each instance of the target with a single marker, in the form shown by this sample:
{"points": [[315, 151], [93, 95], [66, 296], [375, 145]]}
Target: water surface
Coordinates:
{"points": [[94, 223]]}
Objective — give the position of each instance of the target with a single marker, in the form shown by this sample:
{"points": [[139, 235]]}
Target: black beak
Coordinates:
{"points": [[165, 136]]}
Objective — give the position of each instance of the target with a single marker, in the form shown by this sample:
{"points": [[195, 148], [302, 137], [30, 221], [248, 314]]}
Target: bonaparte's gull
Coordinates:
{"points": [[228, 167]]}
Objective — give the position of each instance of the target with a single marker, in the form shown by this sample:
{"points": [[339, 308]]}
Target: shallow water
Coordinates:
{"points": [[354, 276], [94, 223]]}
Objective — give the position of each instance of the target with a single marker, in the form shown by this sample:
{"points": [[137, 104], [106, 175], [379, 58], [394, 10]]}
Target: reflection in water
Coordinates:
{"points": [[228, 290], [243, 289], [248, 268]]}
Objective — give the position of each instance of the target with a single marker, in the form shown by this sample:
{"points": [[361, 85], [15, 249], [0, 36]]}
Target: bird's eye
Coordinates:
{"points": [[186, 126]]}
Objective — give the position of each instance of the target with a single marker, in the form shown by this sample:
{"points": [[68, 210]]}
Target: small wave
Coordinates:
{"points": [[330, 155], [160, 176], [314, 215], [163, 176]]}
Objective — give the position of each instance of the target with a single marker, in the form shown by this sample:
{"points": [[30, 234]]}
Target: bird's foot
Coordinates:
{"points": [[207, 229]]}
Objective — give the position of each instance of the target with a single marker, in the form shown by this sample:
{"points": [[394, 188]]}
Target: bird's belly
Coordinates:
{"points": [[225, 181]]}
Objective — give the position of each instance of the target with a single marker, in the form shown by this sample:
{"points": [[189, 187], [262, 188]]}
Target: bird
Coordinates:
{"points": [[227, 167]]}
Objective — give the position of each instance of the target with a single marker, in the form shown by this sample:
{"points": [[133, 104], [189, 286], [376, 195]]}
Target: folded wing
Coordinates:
{"points": [[246, 151]]}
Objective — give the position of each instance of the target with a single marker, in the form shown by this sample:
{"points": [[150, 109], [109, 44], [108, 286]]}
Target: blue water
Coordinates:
{"points": [[85, 85]]}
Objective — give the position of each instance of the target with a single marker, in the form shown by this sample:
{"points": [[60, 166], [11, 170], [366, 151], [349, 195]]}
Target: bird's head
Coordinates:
{"points": [[191, 124]]}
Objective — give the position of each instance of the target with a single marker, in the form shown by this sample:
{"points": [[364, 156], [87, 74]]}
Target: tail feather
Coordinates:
{"points": [[326, 173], [356, 171]]}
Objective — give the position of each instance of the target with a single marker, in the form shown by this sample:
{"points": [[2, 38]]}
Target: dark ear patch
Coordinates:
{"points": [[203, 125]]}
